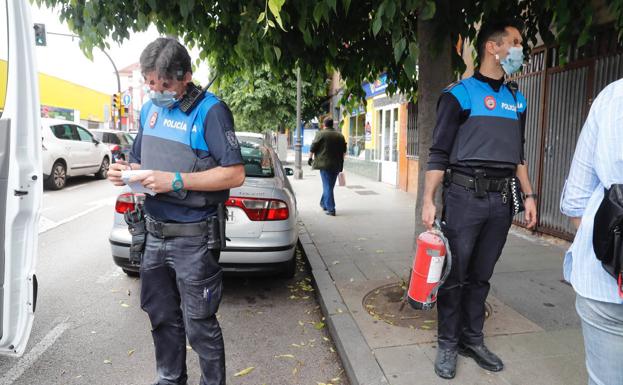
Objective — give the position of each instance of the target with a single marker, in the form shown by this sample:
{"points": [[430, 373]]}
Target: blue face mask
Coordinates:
{"points": [[165, 99], [513, 61]]}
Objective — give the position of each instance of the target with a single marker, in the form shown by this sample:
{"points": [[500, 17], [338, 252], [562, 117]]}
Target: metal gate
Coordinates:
{"points": [[559, 99]]}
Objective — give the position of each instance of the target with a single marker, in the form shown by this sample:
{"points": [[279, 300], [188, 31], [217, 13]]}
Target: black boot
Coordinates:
{"points": [[483, 356], [445, 363]]}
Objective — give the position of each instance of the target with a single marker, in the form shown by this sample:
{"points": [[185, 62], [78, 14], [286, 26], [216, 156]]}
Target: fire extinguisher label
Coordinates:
{"points": [[434, 271]]}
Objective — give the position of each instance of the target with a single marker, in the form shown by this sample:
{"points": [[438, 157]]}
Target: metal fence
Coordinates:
{"points": [[559, 99], [412, 137]]}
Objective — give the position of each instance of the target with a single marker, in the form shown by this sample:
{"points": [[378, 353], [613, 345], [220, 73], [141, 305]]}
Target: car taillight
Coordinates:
{"points": [[128, 201], [114, 147], [258, 209]]}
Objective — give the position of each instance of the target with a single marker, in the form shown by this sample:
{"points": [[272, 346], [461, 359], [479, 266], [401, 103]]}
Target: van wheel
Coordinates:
{"points": [[103, 172], [58, 177]]}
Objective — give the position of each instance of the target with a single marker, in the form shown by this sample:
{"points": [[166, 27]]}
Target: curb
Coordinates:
{"points": [[360, 364]]}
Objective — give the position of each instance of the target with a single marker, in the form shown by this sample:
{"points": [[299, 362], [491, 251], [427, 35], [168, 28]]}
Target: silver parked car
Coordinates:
{"points": [[261, 222]]}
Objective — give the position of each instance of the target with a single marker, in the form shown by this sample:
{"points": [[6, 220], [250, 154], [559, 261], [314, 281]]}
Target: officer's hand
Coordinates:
{"points": [[530, 214], [157, 181], [310, 161], [428, 215], [114, 172]]}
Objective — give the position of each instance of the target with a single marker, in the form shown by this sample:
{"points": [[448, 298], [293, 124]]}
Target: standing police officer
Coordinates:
{"points": [[187, 145], [478, 146]]}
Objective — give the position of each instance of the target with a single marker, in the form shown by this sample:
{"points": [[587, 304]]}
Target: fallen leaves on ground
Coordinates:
{"points": [[130, 352], [244, 372]]}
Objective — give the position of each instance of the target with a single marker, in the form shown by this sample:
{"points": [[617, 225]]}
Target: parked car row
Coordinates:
{"points": [[261, 217], [71, 150]]}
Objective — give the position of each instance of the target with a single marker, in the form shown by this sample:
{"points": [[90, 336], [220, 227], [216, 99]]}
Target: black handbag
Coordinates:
{"points": [[607, 237]]}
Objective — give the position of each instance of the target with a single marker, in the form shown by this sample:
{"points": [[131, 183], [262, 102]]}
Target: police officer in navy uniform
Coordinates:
{"points": [[477, 148], [192, 159]]}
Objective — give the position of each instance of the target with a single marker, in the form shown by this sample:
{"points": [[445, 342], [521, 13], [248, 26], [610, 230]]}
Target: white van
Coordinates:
{"points": [[20, 181], [69, 149]]}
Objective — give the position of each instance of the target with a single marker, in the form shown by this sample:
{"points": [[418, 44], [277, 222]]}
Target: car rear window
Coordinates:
{"points": [[257, 160]]}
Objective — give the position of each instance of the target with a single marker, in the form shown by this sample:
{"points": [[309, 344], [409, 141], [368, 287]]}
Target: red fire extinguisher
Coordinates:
{"points": [[431, 267]]}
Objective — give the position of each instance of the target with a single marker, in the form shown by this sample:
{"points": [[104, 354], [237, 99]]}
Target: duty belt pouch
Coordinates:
{"points": [[607, 237], [136, 226], [214, 239], [516, 196], [480, 183]]}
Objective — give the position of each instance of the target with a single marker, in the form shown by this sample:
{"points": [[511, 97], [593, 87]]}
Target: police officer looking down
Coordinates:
{"points": [[477, 152], [187, 143]]}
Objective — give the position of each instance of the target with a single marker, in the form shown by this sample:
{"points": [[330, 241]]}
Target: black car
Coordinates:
{"points": [[119, 142]]}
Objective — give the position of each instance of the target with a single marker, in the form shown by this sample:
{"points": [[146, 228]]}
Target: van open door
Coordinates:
{"points": [[20, 179]]}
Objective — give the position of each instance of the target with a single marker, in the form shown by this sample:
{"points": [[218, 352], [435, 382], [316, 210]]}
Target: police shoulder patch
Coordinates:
{"points": [[153, 119], [232, 140]]}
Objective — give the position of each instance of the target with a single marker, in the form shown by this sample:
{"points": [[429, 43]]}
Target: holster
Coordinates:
{"points": [[136, 225], [222, 220]]}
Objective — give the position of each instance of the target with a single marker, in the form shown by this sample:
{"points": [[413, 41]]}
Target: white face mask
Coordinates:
{"points": [[164, 99], [513, 60]]}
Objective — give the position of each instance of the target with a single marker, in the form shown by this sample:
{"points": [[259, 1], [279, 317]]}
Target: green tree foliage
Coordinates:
{"points": [[361, 39], [261, 100]]}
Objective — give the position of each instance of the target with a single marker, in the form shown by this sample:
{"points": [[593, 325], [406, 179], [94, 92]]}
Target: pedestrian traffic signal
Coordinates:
{"points": [[40, 38]]}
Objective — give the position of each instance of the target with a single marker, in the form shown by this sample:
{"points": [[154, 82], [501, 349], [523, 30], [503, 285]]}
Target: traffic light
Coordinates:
{"points": [[40, 38], [116, 101]]}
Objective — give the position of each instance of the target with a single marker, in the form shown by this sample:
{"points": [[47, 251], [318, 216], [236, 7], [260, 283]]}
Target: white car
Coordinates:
{"points": [[70, 150]]}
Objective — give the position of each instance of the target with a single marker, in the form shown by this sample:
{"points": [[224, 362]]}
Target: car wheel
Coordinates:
{"points": [[58, 177], [103, 172], [131, 273], [289, 268]]}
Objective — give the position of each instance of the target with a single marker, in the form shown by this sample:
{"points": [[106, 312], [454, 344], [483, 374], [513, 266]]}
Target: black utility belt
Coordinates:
{"points": [[485, 184], [166, 229]]}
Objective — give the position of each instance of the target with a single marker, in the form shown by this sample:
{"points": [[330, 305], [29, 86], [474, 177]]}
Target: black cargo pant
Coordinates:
{"points": [[476, 229], [181, 288]]}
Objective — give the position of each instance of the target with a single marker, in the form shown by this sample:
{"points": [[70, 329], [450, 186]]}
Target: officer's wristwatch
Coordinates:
{"points": [[533, 196], [178, 183]]}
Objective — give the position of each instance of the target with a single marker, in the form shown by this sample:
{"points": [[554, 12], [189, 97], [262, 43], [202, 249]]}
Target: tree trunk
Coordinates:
{"points": [[434, 74]]}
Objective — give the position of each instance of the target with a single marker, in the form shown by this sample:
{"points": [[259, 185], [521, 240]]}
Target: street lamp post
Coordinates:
{"points": [[298, 170]]}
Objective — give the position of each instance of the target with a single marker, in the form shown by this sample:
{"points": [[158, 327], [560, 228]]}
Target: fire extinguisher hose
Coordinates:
{"points": [[437, 231]]}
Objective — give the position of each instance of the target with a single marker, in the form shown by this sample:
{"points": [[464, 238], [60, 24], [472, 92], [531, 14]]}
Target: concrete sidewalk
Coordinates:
{"points": [[368, 246]]}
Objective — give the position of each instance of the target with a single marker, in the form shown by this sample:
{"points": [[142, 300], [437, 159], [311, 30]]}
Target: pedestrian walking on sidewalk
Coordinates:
{"points": [[597, 164], [328, 149], [187, 146], [478, 152]]}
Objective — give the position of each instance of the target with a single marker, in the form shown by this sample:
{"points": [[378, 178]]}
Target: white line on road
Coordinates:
{"points": [[46, 224], [33, 355]]}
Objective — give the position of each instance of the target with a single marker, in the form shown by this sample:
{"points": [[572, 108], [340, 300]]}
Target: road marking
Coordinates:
{"points": [[46, 224], [33, 355]]}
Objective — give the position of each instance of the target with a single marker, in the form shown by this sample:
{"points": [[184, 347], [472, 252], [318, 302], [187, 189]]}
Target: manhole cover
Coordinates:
{"points": [[384, 303]]}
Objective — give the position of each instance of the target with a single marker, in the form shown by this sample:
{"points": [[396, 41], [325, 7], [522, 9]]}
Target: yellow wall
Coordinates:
{"points": [[57, 92], [346, 126]]}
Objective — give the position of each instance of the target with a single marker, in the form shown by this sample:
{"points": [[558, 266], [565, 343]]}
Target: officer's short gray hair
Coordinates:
{"points": [[167, 57]]}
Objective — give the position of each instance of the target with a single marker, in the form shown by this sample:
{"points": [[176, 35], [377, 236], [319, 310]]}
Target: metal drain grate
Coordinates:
{"points": [[355, 186]]}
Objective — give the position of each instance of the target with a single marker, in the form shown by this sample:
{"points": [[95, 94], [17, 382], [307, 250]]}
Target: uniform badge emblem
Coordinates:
{"points": [[490, 102], [152, 120], [231, 139]]}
